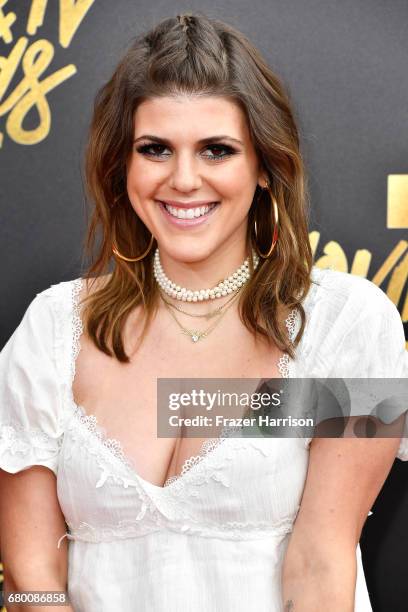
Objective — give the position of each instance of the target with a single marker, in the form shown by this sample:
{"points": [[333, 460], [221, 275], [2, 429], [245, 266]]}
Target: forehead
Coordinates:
{"points": [[197, 116]]}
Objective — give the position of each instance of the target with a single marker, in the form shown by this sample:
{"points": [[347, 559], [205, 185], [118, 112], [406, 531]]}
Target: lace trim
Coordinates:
{"points": [[112, 444], [77, 327], [89, 420], [17, 439], [283, 365], [207, 448], [291, 324], [232, 530]]}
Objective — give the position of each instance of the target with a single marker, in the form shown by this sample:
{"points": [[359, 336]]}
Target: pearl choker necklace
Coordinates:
{"points": [[228, 285]]}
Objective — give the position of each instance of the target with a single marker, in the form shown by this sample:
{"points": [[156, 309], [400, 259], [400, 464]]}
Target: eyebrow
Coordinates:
{"points": [[203, 141]]}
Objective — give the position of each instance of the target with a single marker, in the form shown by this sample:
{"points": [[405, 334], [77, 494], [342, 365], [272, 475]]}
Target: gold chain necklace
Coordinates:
{"points": [[195, 334], [208, 315]]}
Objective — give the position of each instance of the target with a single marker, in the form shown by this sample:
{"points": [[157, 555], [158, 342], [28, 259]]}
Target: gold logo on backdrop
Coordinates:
{"points": [[34, 58], [394, 270], [397, 204], [392, 275]]}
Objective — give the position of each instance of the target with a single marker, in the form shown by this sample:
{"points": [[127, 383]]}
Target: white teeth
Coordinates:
{"points": [[188, 213]]}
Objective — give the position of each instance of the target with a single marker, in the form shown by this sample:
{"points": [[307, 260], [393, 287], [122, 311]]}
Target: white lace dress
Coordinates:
{"points": [[214, 538]]}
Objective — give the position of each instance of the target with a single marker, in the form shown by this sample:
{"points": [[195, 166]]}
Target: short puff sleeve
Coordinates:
{"points": [[31, 404], [374, 346]]}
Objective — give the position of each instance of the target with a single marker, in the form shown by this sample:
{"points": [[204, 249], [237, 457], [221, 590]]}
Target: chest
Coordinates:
{"points": [[123, 397]]}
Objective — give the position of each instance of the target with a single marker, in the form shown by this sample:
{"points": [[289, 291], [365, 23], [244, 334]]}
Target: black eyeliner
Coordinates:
{"points": [[143, 149]]}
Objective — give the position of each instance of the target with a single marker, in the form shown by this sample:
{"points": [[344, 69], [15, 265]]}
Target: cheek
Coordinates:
{"points": [[134, 185], [237, 194], [131, 176], [238, 178], [136, 189], [142, 178]]}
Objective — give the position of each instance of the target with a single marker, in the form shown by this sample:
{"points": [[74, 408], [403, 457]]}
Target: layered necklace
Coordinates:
{"points": [[231, 285]]}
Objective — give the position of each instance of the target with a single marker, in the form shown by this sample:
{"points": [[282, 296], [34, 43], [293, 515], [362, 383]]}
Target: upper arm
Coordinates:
{"points": [[31, 435], [343, 480], [31, 522]]}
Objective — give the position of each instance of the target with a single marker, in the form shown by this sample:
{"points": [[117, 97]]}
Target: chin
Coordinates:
{"points": [[192, 253]]}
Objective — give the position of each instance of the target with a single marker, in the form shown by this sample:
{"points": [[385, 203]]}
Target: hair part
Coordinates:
{"points": [[192, 54]]}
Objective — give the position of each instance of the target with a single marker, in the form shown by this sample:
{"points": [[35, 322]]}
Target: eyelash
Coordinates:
{"points": [[144, 150]]}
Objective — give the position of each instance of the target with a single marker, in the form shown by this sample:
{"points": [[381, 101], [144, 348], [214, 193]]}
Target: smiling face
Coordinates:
{"points": [[194, 154]]}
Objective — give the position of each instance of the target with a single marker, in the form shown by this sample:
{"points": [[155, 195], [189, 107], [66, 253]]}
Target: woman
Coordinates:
{"points": [[194, 169]]}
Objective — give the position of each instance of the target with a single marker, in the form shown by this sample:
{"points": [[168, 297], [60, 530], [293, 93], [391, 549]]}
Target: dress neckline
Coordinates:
{"points": [[113, 445]]}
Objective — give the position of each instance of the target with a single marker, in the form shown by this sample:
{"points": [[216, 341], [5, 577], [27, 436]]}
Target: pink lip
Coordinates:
{"points": [[186, 222], [187, 204]]}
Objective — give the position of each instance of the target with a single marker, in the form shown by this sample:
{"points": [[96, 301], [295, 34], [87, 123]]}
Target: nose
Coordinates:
{"points": [[185, 175]]}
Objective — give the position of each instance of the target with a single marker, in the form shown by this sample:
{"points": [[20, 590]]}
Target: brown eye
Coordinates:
{"points": [[220, 151], [154, 150]]}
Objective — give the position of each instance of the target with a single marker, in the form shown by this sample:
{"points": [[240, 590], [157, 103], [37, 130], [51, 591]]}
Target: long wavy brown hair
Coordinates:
{"points": [[197, 55]]}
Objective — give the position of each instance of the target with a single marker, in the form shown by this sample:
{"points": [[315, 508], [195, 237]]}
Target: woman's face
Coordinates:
{"points": [[191, 153]]}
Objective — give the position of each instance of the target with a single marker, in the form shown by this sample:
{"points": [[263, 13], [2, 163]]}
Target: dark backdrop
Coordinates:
{"points": [[345, 67]]}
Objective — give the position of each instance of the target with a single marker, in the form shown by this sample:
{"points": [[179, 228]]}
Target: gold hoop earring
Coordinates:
{"points": [[131, 259], [116, 251], [275, 225]]}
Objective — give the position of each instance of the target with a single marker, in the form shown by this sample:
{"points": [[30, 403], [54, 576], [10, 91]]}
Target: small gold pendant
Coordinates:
{"points": [[194, 334]]}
